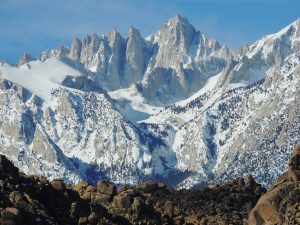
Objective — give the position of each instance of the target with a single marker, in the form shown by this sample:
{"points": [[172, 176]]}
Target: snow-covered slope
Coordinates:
{"points": [[176, 107], [133, 105], [39, 77]]}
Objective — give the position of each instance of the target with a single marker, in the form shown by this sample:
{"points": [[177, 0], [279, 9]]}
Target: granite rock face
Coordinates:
{"points": [[135, 58], [280, 205], [25, 58]]}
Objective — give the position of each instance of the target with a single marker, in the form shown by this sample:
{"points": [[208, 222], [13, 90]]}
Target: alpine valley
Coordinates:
{"points": [[176, 107]]}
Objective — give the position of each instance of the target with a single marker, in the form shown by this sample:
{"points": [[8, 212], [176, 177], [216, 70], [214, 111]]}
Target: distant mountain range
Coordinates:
{"points": [[176, 107]]}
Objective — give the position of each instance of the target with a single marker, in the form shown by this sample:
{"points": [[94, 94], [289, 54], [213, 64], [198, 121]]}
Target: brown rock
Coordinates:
{"points": [[168, 208], [249, 181], [93, 217], [9, 222], [178, 220], [148, 187], [138, 206], [80, 187], [90, 188], [99, 198], [83, 221], [74, 209], [58, 185], [294, 165], [122, 201], [12, 214], [17, 199], [149, 203], [106, 187], [278, 205]]}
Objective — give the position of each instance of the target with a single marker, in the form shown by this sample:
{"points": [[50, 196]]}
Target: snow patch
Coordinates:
{"points": [[39, 77], [210, 84], [134, 107]]}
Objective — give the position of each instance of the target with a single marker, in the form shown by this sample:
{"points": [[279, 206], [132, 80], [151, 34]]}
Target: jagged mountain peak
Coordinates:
{"points": [[118, 62], [296, 23], [286, 39], [292, 31], [133, 32], [114, 34], [263, 54], [25, 58], [178, 20], [177, 28]]}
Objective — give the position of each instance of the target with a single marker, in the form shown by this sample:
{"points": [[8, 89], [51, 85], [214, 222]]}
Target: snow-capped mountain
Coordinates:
{"points": [[58, 130], [244, 119], [176, 107], [164, 67]]}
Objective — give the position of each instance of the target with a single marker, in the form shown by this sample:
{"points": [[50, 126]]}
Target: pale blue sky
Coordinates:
{"points": [[35, 25]]}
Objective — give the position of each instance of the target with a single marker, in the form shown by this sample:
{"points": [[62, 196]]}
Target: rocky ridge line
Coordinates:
{"points": [[34, 200]]}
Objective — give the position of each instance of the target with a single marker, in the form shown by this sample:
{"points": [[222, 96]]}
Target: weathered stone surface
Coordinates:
{"points": [[148, 187], [279, 204], [122, 201], [138, 206], [168, 208], [12, 214], [58, 185], [75, 49], [81, 187], [106, 187], [294, 165], [135, 62], [25, 58]]}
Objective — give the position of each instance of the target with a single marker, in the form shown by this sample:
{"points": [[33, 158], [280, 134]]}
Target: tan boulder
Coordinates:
{"points": [[99, 198], [58, 185], [168, 208], [85, 190], [11, 214], [294, 165], [277, 205], [80, 187], [106, 187], [122, 201], [269, 206]]}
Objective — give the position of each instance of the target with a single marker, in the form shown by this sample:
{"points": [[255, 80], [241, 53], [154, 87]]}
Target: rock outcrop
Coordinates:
{"points": [[281, 204], [34, 200], [25, 58], [135, 58]]}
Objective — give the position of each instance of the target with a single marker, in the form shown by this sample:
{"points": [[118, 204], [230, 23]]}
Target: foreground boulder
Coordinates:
{"points": [[32, 200], [281, 204]]}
